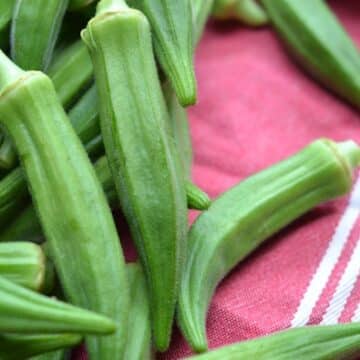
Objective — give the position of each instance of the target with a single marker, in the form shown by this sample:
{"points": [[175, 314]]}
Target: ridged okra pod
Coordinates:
{"points": [[243, 217], [324, 49], [20, 347], [69, 200], [23, 263], [311, 342], [141, 153], [138, 343], [6, 10], [248, 12], [172, 27], [34, 31], [27, 312]]}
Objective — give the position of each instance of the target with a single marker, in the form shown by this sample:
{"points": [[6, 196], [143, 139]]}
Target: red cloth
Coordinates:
{"points": [[255, 108]]}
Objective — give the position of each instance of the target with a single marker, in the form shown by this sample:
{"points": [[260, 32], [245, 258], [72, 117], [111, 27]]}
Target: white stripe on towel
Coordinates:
{"points": [[329, 260]]}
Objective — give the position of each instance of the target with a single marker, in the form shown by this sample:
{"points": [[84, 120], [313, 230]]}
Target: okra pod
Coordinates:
{"points": [[243, 217], [138, 344], [196, 199], [324, 49], [310, 342], [69, 200], [34, 31], [172, 27], [27, 312], [71, 72], [23, 263], [6, 10], [147, 178], [20, 347], [248, 12]]}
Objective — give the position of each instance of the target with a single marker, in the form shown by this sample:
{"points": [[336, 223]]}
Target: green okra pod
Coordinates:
{"points": [[138, 344], [243, 217], [196, 198], [147, 178], [324, 49], [27, 312], [34, 31], [310, 342], [71, 72], [20, 347], [23, 263], [172, 28], [69, 200], [248, 12], [6, 10]]}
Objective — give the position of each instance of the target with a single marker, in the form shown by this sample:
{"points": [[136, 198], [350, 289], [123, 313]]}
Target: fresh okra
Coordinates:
{"points": [[34, 31], [20, 347], [71, 72], [243, 217], [148, 177], [23, 263], [196, 199], [71, 205], [6, 10], [27, 312], [172, 28], [249, 12], [138, 344], [324, 49], [311, 342]]}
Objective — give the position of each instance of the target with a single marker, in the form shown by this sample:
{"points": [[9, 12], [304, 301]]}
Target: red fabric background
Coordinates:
{"points": [[257, 107]]}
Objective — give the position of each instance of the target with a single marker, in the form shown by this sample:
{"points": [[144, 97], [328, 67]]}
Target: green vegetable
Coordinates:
{"points": [[138, 344], [311, 342], [8, 156], [243, 217], [201, 12], [71, 72], [34, 31], [27, 312], [196, 198], [20, 347], [249, 12], [142, 155], [324, 49], [6, 10], [70, 202], [23, 263], [172, 28]]}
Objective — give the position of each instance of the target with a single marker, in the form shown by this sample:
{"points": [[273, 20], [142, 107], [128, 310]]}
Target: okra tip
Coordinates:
{"points": [[350, 150]]}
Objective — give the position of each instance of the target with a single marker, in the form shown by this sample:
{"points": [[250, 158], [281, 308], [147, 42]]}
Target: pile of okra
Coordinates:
{"points": [[93, 114]]}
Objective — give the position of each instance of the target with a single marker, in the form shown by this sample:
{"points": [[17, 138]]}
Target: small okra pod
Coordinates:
{"points": [[310, 342], [138, 343], [24, 311], [34, 31], [23, 263], [248, 12], [245, 216], [148, 178], [69, 200], [20, 347], [196, 198], [6, 10], [172, 28], [324, 49], [71, 72]]}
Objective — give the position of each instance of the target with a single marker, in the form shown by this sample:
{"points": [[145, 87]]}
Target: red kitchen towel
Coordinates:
{"points": [[255, 108]]}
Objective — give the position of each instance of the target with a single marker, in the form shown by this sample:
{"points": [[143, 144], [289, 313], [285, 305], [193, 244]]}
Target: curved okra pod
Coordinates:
{"points": [[20, 347], [71, 72], [138, 343], [148, 178], [27, 312], [310, 342], [6, 10], [34, 31], [23, 263], [69, 200], [172, 27], [243, 217], [196, 198], [324, 49], [248, 12]]}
